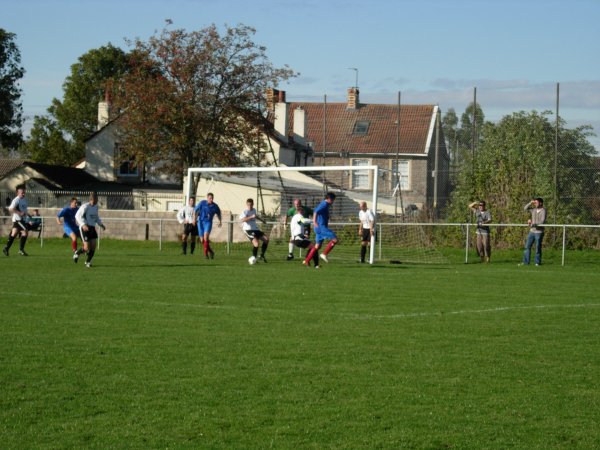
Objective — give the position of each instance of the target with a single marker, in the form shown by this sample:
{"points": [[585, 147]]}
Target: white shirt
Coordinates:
{"points": [[249, 225], [367, 218], [18, 204], [88, 215], [298, 224], [186, 214]]}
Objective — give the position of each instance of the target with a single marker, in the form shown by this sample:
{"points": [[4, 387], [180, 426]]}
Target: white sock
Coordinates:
{"points": [[291, 248]]}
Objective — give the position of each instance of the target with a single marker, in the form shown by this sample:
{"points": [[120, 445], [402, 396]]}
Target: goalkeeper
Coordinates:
{"points": [[300, 232]]}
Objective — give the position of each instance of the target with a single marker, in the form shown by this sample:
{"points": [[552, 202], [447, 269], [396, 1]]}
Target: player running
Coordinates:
{"points": [[251, 230], [205, 213], [322, 231], [18, 209], [87, 218], [67, 214], [187, 218]]}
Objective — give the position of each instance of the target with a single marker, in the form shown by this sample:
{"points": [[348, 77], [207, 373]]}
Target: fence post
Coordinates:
{"points": [[564, 244], [229, 233], [379, 239], [42, 233], [467, 245], [160, 235]]}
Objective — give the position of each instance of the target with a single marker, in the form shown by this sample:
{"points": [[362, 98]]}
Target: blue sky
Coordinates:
{"points": [[432, 51]]}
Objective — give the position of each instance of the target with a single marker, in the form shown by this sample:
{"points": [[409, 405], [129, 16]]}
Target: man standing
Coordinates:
{"points": [[536, 230], [18, 209], [70, 224], [291, 213], [187, 218], [366, 229], [251, 230], [322, 231], [482, 216], [205, 212], [87, 218]]}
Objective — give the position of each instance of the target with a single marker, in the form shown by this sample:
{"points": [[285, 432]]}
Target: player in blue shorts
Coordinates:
{"points": [[205, 212], [69, 224], [321, 228]]}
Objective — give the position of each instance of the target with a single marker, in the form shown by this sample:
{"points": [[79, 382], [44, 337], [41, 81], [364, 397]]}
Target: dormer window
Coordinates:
{"points": [[361, 127]]}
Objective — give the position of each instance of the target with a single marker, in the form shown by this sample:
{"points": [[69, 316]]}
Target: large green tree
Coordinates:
{"points": [[60, 136], [11, 109], [196, 98], [516, 159]]}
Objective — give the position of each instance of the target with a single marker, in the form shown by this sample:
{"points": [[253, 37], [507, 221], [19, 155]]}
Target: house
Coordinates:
{"points": [[47, 185], [108, 162], [406, 143]]}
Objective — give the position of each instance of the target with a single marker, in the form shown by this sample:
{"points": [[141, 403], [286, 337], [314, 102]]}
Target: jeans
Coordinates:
{"points": [[531, 238]]}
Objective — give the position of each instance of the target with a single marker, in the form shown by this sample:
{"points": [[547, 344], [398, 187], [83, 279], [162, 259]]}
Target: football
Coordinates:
{"points": [[252, 260]]}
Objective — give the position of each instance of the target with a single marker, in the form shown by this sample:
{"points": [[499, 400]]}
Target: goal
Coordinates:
{"points": [[274, 189]]}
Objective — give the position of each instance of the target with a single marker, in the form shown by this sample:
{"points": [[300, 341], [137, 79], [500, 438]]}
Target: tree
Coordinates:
{"points": [[515, 160], [48, 144], [11, 109], [195, 98], [71, 121]]}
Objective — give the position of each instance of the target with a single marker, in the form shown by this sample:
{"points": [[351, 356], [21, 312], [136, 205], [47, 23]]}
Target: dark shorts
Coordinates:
{"points": [[301, 242], [366, 235], [20, 225], [190, 228], [89, 235], [254, 234]]}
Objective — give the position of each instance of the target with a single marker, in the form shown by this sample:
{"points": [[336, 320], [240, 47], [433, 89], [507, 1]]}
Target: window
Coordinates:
{"points": [[128, 168], [361, 127], [360, 178], [402, 169]]}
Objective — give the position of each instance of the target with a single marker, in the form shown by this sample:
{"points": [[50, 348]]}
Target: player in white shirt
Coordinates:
{"points": [[187, 218], [251, 230], [87, 218], [366, 228], [300, 234], [18, 209]]}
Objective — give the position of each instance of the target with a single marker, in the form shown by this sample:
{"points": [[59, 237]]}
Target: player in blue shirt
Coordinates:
{"points": [[205, 212], [321, 228], [69, 224]]}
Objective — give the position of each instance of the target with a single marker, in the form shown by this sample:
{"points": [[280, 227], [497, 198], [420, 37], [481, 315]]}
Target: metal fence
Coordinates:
{"points": [[407, 242]]}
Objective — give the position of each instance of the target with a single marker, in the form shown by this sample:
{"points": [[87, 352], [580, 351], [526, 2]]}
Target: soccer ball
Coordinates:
{"points": [[252, 260]]}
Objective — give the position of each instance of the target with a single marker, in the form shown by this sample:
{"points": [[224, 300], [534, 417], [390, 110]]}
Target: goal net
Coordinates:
{"points": [[274, 190]]}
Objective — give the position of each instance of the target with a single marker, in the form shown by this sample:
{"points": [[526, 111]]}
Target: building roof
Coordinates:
{"points": [[382, 135], [8, 165], [63, 177]]}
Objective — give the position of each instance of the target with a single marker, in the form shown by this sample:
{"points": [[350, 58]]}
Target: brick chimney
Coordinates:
{"points": [[274, 96], [104, 110], [353, 101]]}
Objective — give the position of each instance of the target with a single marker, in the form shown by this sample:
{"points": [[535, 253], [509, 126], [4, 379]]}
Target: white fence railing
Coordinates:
{"points": [[168, 230]]}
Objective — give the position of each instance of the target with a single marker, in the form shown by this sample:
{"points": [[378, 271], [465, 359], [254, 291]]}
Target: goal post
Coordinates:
{"points": [[273, 188]]}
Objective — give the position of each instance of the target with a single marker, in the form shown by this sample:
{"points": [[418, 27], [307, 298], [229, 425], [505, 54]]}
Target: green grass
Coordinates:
{"points": [[152, 349]]}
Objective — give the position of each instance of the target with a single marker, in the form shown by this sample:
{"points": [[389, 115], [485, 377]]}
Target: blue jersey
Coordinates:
{"points": [[68, 215], [206, 211], [322, 212]]}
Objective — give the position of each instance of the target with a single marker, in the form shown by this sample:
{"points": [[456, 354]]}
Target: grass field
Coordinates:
{"points": [[152, 349]]}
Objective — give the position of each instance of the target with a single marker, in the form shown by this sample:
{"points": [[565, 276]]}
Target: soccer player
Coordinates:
{"points": [[87, 218], [366, 229], [18, 209], [322, 231], [290, 213], [248, 218], [300, 231], [187, 218], [70, 224], [205, 213]]}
